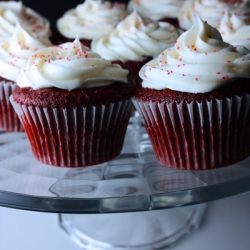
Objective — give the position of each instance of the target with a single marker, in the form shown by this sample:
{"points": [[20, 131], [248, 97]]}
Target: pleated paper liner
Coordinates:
{"points": [[75, 137], [198, 135], [9, 120]]}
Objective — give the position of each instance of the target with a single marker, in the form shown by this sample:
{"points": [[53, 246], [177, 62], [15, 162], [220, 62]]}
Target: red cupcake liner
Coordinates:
{"points": [[75, 137], [9, 120], [198, 135]]}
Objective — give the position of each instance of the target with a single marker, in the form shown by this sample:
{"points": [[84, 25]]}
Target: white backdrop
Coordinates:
{"points": [[226, 226]]}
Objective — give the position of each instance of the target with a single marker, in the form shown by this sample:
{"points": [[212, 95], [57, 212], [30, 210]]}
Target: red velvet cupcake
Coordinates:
{"points": [[89, 20], [14, 53], [158, 10], [195, 101], [134, 42], [74, 106]]}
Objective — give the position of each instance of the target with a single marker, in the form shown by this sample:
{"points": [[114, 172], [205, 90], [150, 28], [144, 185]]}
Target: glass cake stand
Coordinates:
{"points": [[100, 204]]}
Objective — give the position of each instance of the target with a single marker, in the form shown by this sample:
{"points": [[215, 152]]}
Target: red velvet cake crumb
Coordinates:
{"points": [[133, 67], [54, 97], [168, 95]]}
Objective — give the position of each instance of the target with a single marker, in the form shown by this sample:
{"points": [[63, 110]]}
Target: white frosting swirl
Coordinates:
{"points": [[14, 52], [235, 30], [211, 11], [91, 19], [156, 9], [69, 66], [134, 38], [12, 12], [199, 62]]}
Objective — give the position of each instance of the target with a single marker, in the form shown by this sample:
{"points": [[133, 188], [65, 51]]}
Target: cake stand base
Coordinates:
{"points": [[149, 230]]}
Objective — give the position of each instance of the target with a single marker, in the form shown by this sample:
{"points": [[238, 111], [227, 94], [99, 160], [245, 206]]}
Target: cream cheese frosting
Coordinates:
{"points": [[91, 19], [14, 52], [199, 62], [235, 30], [69, 66], [156, 9], [12, 12], [211, 11], [134, 38]]}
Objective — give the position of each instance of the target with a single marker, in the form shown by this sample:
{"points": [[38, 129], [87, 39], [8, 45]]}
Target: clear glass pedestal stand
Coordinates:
{"points": [[158, 229]]}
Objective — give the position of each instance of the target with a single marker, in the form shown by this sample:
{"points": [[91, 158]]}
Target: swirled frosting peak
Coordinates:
{"points": [[69, 66], [211, 11], [235, 30], [199, 62], [156, 9], [12, 12], [134, 38], [91, 19], [14, 52]]}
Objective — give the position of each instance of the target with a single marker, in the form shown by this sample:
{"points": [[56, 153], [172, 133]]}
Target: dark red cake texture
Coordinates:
{"points": [[77, 128], [173, 21], [55, 97], [9, 120], [133, 67], [58, 38], [197, 131]]}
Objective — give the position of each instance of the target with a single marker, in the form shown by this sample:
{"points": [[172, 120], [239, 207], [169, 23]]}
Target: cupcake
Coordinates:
{"points": [[134, 42], [74, 105], [12, 12], [211, 11], [90, 20], [195, 101], [158, 10], [14, 52], [234, 30]]}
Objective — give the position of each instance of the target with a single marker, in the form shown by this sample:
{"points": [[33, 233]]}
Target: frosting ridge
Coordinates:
{"points": [[14, 52], [69, 66], [235, 30], [211, 11], [15, 12], [156, 9], [91, 19], [134, 38], [199, 62]]}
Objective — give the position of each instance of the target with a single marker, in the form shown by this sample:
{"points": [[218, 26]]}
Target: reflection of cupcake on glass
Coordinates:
{"points": [[234, 30], [74, 105], [211, 11], [12, 12], [135, 41], [158, 10], [195, 101], [14, 52], [90, 20]]}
